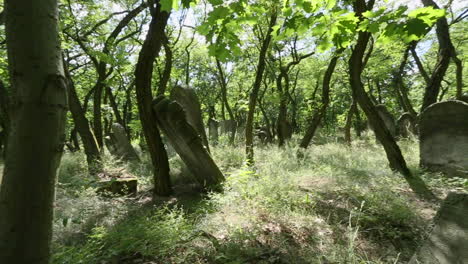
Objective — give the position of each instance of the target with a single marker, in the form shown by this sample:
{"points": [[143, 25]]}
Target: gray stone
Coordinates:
{"points": [[213, 126], [119, 145], [448, 241], [172, 120], [126, 186], [227, 126], [443, 136], [188, 99], [406, 125]]}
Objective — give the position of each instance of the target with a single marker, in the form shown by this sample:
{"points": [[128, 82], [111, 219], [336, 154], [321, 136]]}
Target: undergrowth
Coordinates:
{"points": [[335, 204]]}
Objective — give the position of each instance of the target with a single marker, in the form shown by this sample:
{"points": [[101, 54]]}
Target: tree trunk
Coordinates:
{"points": [[90, 145], [36, 136], [318, 116], [143, 75], [395, 158], [255, 89], [446, 51], [402, 90], [223, 83], [349, 121], [4, 117]]}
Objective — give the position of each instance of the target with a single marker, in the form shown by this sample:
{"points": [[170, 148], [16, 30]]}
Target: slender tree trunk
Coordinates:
{"points": [[91, 148], [319, 115], [143, 74], [402, 90], [395, 158], [255, 89], [349, 121], [37, 135], [223, 83]]}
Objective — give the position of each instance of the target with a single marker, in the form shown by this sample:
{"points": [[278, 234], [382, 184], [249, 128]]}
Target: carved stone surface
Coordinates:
{"points": [[119, 145], [213, 126], [188, 99], [405, 125], [443, 135], [186, 141], [448, 241]]}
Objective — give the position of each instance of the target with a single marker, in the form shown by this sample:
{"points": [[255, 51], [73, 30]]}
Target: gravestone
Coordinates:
{"points": [[448, 241], [213, 130], [188, 99], [124, 186], [227, 126], [119, 145], [187, 142], [387, 118], [443, 136], [405, 125]]}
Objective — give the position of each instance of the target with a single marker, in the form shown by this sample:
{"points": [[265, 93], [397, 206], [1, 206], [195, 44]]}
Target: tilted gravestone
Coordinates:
{"points": [[188, 99], [213, 130], [448, 241], [119, 145], [405, 125], [387, 118], [443, 136], [186, 141]]}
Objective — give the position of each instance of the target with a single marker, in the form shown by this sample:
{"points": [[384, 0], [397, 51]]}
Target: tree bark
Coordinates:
{"points": [[223, 83], [394, 156], [91, 148], [37, 135], [255, 89], [143, 75], [446, 51], [318, 115], [349, 121]]}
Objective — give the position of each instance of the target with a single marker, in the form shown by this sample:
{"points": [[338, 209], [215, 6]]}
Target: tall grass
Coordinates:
{"points": [[335, 204]]}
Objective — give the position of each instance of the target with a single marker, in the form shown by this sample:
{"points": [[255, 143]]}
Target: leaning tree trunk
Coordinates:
{"points": [[446, 51], [222, 81], [394, 156], [255, 89], [318, 116], [143, 74], [36, 136], [90, 145]]}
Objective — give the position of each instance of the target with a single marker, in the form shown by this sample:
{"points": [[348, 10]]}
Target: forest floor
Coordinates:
{"points": [[335, 204]]}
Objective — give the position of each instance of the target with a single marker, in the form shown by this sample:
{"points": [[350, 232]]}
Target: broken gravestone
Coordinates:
{"points": [[448, 241], [405, 125], [443, 136], [213, 130], [119, 145], [124, 186], [186, 141], [387, 118], [188, 99]]}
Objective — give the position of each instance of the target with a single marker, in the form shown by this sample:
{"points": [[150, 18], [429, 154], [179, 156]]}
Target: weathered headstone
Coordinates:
{"points": [[119, 144], [186, 141], [124, 186], [227, 126], [213, 130], [443, 136], [387, 118], [188, 99], [448, 241], [405, 125]]}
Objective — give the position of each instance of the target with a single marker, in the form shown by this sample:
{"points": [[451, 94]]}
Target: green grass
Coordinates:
{"points": [[335, 204]]}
